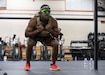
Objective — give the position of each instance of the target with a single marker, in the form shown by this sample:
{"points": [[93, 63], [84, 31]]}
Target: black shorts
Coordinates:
{"points": [[44, 40]]}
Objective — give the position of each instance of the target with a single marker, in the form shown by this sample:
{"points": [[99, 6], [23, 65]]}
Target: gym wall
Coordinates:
{"points": [[75, 24]]}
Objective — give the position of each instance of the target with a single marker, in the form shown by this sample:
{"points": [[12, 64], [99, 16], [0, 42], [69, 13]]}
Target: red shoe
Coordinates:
{"points": [[27, 67], [54, 67]]}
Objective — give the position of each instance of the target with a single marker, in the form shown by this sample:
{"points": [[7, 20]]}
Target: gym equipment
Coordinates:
{"points": [[101, 51], [61, 54], [15, 52], [45, 53], [33, 57], [90, 39], [15, 44], [100, 7], [80, 49], [8, 41], [1, 52], [23, 52], [101, 44]]}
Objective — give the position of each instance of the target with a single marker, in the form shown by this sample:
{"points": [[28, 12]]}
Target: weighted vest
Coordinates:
{"points": [[44, 32]]}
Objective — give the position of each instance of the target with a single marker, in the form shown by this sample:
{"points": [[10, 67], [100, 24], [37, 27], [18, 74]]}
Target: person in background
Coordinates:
{"points": [[44, 28]]}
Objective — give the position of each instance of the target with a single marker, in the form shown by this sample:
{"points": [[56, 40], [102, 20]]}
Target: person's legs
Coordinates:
{"points": [[30, 45], [54, 44]]}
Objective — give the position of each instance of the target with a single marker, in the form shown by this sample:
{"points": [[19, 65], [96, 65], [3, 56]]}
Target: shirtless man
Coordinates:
{"points": [[44, 28]]}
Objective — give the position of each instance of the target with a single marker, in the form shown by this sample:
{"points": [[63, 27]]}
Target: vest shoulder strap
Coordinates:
{"points": [[38, 19]]}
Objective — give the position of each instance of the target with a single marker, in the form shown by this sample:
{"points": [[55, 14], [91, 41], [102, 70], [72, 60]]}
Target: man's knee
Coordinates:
{"points": [[31, 42], [55, 43]]}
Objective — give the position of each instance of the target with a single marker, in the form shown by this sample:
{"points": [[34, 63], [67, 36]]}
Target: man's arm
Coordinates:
{"points": [[55, 31], [32, 28]]}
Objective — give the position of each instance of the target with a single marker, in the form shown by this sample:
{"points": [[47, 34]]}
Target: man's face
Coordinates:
{"points": [[45, 13]]}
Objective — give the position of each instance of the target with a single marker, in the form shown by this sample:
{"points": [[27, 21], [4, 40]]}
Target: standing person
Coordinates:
{"points": [[44, 28]]}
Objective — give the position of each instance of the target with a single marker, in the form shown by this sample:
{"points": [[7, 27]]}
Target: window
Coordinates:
{"points": [[2, 4], [79, 4]]}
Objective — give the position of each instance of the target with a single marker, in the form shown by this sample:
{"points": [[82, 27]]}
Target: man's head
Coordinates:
{"points": [[45, 11], [44, 6]]}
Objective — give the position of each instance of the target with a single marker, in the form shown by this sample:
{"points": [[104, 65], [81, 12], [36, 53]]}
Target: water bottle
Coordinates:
{"points": [[86, 63], [75, 58], [5, 58], [91, 64]]}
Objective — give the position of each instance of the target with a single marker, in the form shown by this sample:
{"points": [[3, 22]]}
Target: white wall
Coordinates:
{"points": [[72, 29], [79, 5], [34, 5], [78, 30], [10, 27]]}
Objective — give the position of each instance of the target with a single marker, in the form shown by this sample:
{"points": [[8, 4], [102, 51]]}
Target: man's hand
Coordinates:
{"points": [[48, 27], [40, 28]]}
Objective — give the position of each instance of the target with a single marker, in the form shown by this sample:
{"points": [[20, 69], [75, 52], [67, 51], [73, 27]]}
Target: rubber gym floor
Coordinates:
{"points": [[42, 68]]}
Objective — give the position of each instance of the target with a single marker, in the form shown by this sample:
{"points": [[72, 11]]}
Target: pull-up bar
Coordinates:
{"points": [[95, 36]]}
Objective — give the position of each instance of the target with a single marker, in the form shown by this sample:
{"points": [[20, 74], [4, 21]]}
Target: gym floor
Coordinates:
{"points": [[42, 68]]}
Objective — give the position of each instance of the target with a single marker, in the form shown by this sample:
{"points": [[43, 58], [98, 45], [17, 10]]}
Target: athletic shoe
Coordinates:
{"points": [[27, 67], [54, 67]]}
